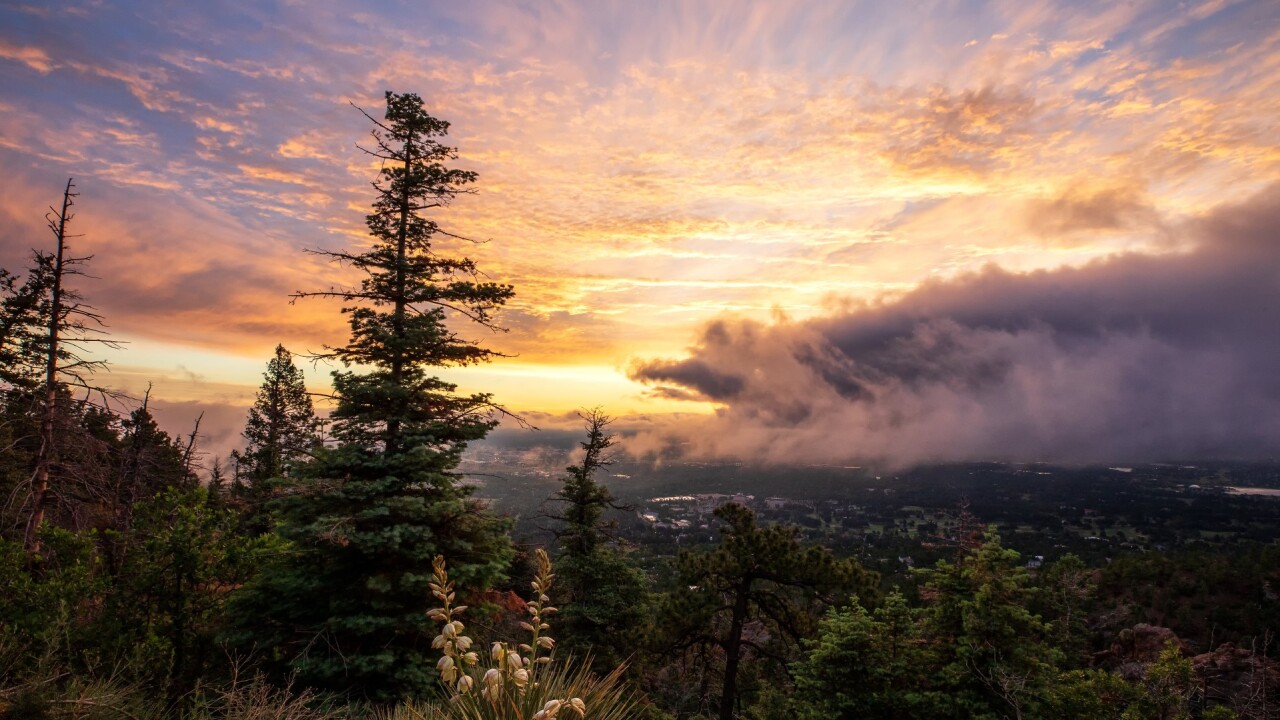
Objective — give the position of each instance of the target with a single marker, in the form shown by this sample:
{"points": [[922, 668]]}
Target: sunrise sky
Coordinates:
{"points": [[818, 230]]}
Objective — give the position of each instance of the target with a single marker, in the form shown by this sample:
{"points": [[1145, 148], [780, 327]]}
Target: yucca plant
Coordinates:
{"points": [[518, 681]]}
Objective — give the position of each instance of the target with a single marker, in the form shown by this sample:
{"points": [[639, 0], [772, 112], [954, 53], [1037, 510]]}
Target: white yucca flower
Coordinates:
{"points": [[513, 661], [446, 668], [514, 679]]}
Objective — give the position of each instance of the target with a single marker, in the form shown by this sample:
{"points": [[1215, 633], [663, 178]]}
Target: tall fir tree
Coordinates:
{"points": [[347, 609], [282, 429]]}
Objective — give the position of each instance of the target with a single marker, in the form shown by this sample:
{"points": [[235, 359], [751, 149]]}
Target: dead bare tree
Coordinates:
{"points": [[71, 324]]}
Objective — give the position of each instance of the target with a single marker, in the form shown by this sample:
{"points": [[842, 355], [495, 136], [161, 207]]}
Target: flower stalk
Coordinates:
{"points": [[452, 644], [513, 670]]}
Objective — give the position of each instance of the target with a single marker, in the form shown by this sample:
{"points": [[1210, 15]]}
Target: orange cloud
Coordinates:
{"points": [[32, 57]]}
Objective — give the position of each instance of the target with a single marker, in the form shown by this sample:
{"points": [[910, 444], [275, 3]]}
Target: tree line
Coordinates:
{"points": [[345, 567]]}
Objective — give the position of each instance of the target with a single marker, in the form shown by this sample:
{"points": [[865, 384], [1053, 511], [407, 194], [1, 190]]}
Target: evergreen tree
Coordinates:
{"points": [[994, 651], [867, 665], [584, 501], [755, 595], [148, 461], [48, 608], [184, 557], [1065, 589], [347, 609], [602, 597], [21, 325], [282, 428]]}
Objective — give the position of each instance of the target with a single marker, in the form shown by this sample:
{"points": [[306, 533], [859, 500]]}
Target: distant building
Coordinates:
{"points": [[710, 501]]}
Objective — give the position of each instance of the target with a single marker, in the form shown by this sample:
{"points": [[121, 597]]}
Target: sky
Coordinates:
{"points": [[765, 231]]}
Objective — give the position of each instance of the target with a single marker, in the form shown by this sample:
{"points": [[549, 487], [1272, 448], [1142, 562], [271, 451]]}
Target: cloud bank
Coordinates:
{"points": [[1133, 357]]}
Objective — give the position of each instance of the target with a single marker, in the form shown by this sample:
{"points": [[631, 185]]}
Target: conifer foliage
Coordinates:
{"points": [[21, 324], [348, 609], [584, 500], [282, 428], [399, 312], [751, 597], [604, 596]]}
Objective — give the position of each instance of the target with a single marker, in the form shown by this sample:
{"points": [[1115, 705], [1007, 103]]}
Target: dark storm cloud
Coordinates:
{"points": [[694, 374], [1129, 358]]}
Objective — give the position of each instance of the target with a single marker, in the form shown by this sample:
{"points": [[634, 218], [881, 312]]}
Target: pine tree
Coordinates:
{"points": [[602, 597], [282, 428], [20, 331], [762, 577], [1066, 586], [583, 501], [185, 555], [347, 610]]}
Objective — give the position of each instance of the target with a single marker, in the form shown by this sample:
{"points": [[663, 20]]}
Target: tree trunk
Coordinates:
{"points": [[44, 457], [733, 651], [402, 240]]}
